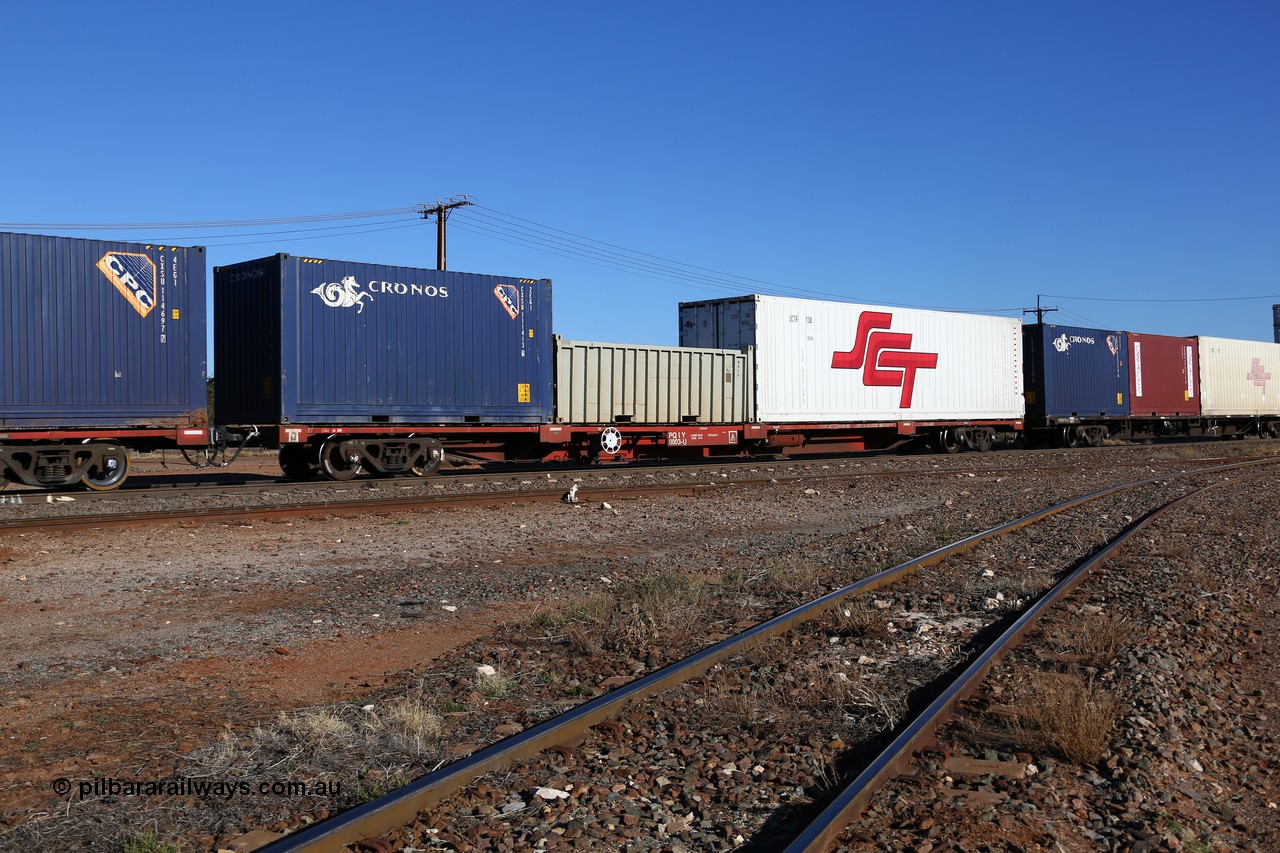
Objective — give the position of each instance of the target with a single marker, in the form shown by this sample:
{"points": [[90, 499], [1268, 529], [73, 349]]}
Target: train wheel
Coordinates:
{"points": [[947, 442], [428, 461], [982, 441], [1070, 438], [334, 464], [109, 471], [298, 462]]}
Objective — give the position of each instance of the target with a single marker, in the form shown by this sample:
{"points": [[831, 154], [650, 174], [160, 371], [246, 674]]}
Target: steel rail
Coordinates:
{"points": [[325, 505], [346, 507], [891, 762], [401, 806], [232, 482]]}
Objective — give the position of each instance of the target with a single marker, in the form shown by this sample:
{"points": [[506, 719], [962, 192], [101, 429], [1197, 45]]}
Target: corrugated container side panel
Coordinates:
{"points": [[718, 324], [1238, 377], [1163, 376], [248, 380], [662, 384], [364, 343], [1033, 371], [648, 385], [703, 387], [470, 365], [99, 333], [959, 367], [1077, 372]]}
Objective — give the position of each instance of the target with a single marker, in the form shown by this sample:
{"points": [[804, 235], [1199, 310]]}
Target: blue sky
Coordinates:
{"points": [[958, 155]]}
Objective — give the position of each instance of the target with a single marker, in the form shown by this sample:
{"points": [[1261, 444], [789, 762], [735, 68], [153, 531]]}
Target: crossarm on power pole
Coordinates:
{"points": [[1039, 310], [441, 212]]}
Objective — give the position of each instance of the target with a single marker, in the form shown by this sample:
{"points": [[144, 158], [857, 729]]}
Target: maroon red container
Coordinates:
{"points": [[1163, 376]]}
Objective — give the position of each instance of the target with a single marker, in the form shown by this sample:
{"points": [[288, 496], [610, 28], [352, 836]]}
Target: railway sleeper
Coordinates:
{"points": [[97, 465]]}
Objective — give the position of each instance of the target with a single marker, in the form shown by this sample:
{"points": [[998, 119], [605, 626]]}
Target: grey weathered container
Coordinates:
{"points": [[598, 383]]}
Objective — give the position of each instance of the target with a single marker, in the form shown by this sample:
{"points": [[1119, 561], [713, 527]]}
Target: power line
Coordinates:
{"points": [[495, 225], [584, 260], [352, 232], [1199, 299], [638, 259], [612, 256], [339, 229], [210, 223]]}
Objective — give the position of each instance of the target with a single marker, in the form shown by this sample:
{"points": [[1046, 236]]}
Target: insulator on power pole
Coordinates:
{"points": [[441, 212], [1039, 311]]}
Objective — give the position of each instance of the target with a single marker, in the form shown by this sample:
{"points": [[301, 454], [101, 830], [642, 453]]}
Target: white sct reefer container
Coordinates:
{"points": [[839, 362], [1238, 377]]}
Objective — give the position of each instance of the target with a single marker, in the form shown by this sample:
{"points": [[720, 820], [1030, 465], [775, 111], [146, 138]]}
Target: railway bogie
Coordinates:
{"points": [[98, 460], [98, 465], [345, 457]]}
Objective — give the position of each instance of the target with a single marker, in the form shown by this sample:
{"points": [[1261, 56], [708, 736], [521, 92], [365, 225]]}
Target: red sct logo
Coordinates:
{"points": [[886, 355], [1258, 375]]}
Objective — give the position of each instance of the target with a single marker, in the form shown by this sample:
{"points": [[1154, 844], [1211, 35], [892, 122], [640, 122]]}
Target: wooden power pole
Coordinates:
{"points": [[440, 210]]}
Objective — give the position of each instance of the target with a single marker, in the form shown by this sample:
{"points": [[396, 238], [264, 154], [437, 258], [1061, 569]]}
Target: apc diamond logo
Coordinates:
{"points": [[509, 296], [134, 275]]}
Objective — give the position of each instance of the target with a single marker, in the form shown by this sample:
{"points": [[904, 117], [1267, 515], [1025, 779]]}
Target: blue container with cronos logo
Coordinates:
{"points": [[97, 333], [1074, 374], [309, 341]]}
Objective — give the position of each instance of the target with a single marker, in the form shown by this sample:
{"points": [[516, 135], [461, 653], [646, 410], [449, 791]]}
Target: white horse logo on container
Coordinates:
{"points": [[344, 295]]}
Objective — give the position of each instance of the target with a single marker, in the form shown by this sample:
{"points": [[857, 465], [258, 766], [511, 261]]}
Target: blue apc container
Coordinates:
{"points": [[310, 341], [101, 334], [1072, 373]]}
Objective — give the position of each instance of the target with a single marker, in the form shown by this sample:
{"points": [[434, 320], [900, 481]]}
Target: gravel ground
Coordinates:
{"points": [[147, 653], [1191, 759], [739, 758]]}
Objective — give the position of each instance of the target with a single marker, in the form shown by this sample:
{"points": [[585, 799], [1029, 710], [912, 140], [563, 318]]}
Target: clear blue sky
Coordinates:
{"points": [[960, 155]]}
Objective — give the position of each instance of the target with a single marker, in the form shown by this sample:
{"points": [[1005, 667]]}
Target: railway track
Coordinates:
{"points": [[266, 479], [414, 804], [294, 499]]}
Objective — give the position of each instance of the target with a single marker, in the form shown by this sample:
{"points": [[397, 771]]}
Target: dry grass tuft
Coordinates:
{"points": [[496, 684], [402, 734], [858, 622], [793, 582], [1067, 715], [665, 613], [744, 710], [413, 727], [1100, 640], [316, 732]]}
